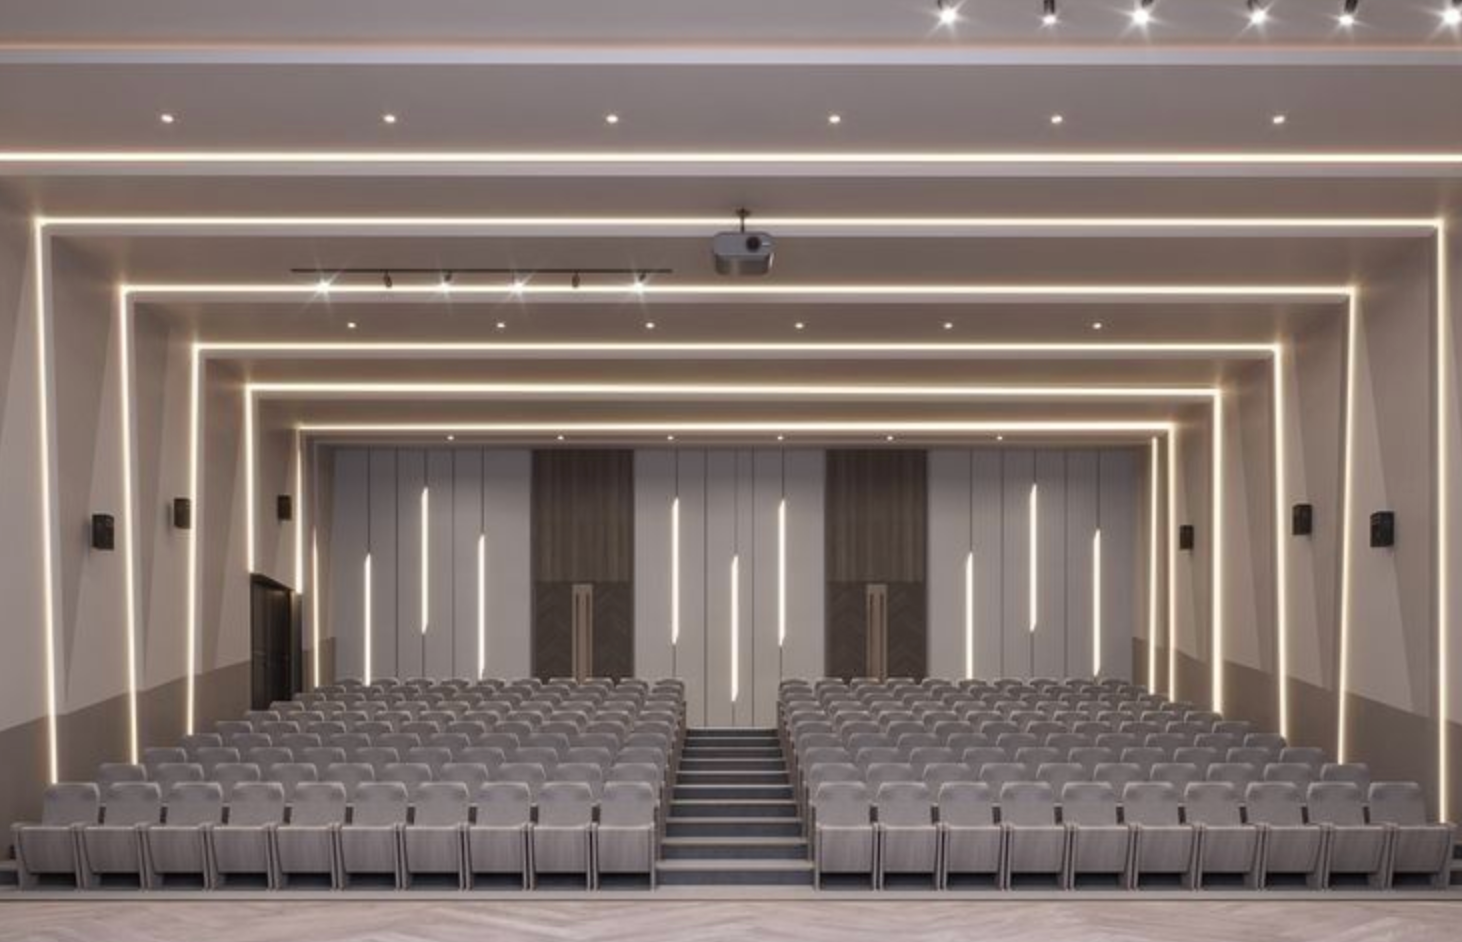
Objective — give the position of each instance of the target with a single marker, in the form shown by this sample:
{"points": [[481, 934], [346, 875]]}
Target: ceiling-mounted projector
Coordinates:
{"points": [[743, 253]]}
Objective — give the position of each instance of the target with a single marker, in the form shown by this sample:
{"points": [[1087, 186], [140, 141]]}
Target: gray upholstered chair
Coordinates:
{"points": [[843, 839], [1179, 774], [1100, 844], [1035, 843], [291, 775], [307, 843], [230, 774], [497, 838], [109, 773], [626, 839], [1353, 847], [1238, 774], [1357, 773], [1418, 846], [169, 774], [350, 774], [1226, 844], [562, 839], [433, 842], [1118, 775], [154, 756], [1291, 845], [244, 844], [528, 773], [181, 844], [370, 840], [1163, 843], [973, 842], [115, 846], [908, 838]]}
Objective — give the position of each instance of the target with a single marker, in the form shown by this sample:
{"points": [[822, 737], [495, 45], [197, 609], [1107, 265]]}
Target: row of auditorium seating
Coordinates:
{"points": [[1010, 777], [530, 775]]}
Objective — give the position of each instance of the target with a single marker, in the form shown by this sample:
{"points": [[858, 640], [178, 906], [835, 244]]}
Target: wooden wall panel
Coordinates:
{"points": [[877, 513], [583, 516]]}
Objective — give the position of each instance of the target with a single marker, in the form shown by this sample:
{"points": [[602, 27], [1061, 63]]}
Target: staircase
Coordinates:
{"points": [[733, 819]]}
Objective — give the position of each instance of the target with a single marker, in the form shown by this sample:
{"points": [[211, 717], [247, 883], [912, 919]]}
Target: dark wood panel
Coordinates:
{"points": [[908, 632], [614, 629], [553, 624], [846, 650], [877, 513], [583, 516]]}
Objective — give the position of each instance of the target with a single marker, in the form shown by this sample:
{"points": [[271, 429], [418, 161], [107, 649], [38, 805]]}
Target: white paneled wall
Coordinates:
{"points": [[1012, 559], [695, 512], [468, 508]]}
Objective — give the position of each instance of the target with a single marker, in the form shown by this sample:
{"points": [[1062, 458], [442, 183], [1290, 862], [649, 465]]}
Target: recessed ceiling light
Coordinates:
{"points": [[1000, 438], [1347, 15], [949, 325], [560, 438], [451, 438], [1058, 119], [611, 118], [323, 286], [1258, 13], [1142, 13], [1049, 16], [167, 117], [1097, 325], [388, 118], [800, 326], [948, 12], [781, 438], [1279, 120], [1347, 19], [888, 438], [834, 118], [649, 325], [1453, 15], [351, 325], [501, 325], [518, 285], [670, 438]]}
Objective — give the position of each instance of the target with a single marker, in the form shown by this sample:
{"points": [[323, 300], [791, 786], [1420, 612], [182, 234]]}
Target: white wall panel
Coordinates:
{"points": [[987, 526], [507, 484], [654, 501], [1019, 475], [689, 657], [408, 643], [467, 526], [384, 548], [1124, 566], [439, 642], [347, 562], [1082, 520], [1048, 642], [802, 652], [765, 661], [951, 539]]}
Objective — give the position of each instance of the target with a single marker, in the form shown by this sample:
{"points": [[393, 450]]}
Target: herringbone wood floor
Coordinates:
{"points": [[732, 921]]}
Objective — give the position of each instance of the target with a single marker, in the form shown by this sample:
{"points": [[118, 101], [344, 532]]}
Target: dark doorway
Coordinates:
{"points": [[276, 655]]}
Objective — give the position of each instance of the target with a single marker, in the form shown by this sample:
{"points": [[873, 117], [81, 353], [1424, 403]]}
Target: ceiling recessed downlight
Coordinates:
{"points": [[501, 325], [649, 325], [1348, 12], [1279, 120], [611, 118], [834, 118], [1097, 325], [388, 118], [1058, 119], [1049, 14], [167, 117], [1142, 13], [948, 12], [1258, 13], [351, 325], [949, 325], [1453, 14]]}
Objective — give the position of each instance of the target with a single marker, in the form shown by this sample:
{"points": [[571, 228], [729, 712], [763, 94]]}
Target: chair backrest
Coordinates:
{"points": [[530, 774], [879, 773], [1357, 773], [587, 773], [1117, 774], [68, 803], [1213, 803], [842, 804], [1181, 774], [109, 772], [1154, 804], [317, 804], [292, 774], [154, 756], [589, 755], [1239, 774], [440, 804], [322, 757], [410, 774], [1144, 757], [1089, 804], [1027, 804], [635, 772], [255, 804], [1280, 803], [1337, 803], [380, 804], [1249, 755], [433, 757], [171, 773], [1297, 774], [1309, 755], [565, 804], [904, 804], [350, 774], [1091, 756], [1399, 803], [128, 804], [190, 804], [627, 804], [504, 804], [1199, 756], [1058, 774]]}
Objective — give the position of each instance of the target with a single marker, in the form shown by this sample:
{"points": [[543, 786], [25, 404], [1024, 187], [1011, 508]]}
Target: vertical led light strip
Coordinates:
{"points": [[1096, 603], [1034, 547], [970, 615], [49, 521], [425, 559], [1347, 531], [735, 627], [250, 511], [675, 571], [782, 572], [481, 605], [315, 605], [1443, 518], [1281, 543], [366, 621], [195, 405], [1152, 540], [1216, 549], [1172, 545], [299, 513], [129, 521]]}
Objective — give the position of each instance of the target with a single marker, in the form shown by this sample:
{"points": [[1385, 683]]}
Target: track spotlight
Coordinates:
{"points": [[577, 281], [1348, 12], [519, 283], [1453, 15], [1049, 16], [948, 12], [386, 280], [1142, 13], [446, 284], [1258, 13]]}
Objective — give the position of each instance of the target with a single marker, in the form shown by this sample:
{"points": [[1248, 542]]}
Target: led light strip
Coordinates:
{"points": [[1444, 393], [1152, 541], [425, 560], [1281, 554], [728, 390], [251, 511], [970, 615], [1216, 550], [675, 571], [1096, 602], [129, 526], [366, 675], [781, 572], [315, 605], [735, 628], [1139, 427], [1033, 541], [481, 605], [1172, 545]]}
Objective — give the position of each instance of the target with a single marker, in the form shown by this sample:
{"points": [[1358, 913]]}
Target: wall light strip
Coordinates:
{"points": [[425, 559], [481, 605], [1172, 545], [740, 390], [1217, 549], [315, 650], [1152, 569], [970, 615], [1281, 543], [1443, 577], [251, 512], [1096, 602], [299, 514], [735, 627], [754, 349], [675, 572], [782, 572], [366, 621], [129, 523], [1034, 562], [195, 449], [1347, 533], [635, 428], [49, 512]]}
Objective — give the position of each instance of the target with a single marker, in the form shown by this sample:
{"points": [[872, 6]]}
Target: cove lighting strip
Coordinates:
{"points": [[251, 511], [1216, 551], [781, 572], [729, 390], [735, 428], [1152, 571], [735, 628], [970, 615], [675, 571], [1096, 602], [1296, 224], [1442, 518], [481, 605], [1033, 546], [366, 620], [129, 523], [1172, 545], [425, 559], [315, 605]]}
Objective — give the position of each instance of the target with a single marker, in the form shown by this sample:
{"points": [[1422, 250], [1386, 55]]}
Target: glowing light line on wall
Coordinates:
{"points": [[315, 650], [735, 627], [129, 524], [49, 523], [1172, 545], [299, 514], [366, 621], [675, 572], [1281, 544], [1216, 591], [1096, 603], [481, 605], [425, 558], [970, 615], [1443, 576], [782, 572], [195, 447], [1034, 547], [1152, 568], [251, 511]]}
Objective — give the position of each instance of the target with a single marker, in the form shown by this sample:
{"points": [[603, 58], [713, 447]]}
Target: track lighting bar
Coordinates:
{"points": [[325, 276]]}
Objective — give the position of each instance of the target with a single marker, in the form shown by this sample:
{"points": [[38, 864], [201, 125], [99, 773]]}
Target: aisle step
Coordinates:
{"points": [[735, 873], [735, 848], [733, 792], [718, 776], [743, 808], [732, 827]]}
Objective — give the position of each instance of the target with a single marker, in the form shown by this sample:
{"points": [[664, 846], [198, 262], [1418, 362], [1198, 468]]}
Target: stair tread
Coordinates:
{"points": [[728, 821], [732, 801], [734, 841], [714, 864]]}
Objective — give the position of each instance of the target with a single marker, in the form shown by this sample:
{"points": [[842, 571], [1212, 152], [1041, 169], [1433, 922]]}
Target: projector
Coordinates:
{"points": [[743, 253]]}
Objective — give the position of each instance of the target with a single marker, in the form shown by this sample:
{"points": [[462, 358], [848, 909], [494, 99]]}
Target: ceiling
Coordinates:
{"points": [[500, 113]]}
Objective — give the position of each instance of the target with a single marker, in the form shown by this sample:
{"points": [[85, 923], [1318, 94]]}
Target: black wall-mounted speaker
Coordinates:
{"points": [[103, 532], [1186, 537], [1302, 520], [284, 507], [182, 513], [1383, 529]]}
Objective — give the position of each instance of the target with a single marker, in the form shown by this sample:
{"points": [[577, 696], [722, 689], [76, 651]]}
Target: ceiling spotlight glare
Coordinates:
{"points": [[800, 326], [1049, 16], [560, 438], [611, 118], [1000, 438], [388, 118], [1097, 325], [451, 438], [1142, 13], [519, 284], [1058, 119], [649, 325], [351, 325], [949, 325], [670, 438], [781, 438], [834, 119], [888, 438], [446, 282], [1453, 14], [638, 285], [1347, 14], [322, 286], [948, 12], [502, 325], [1279, 120], [1258, 13], [167, 117]]}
